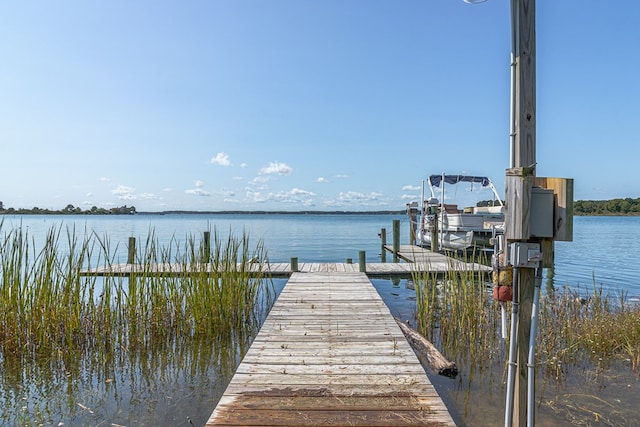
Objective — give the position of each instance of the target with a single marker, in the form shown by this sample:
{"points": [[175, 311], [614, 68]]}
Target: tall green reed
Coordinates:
{"points": [[48, 306], [595, 327], [457, 312]]}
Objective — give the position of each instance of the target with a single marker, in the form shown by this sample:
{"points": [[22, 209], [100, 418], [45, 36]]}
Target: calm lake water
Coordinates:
{"points": [[603, 252], [183, 388]]}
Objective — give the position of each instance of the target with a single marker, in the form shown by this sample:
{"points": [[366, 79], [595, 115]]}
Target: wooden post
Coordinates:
{"points": [[383, 243], [206, 256], [396, 239], [412, 210], [131, 253], [294, 263], [434, 233], [362, 261], [519, 180]]}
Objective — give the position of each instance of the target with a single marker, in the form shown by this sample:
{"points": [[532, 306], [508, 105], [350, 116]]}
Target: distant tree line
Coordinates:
{"points": [[69, 210], [626, 206]]}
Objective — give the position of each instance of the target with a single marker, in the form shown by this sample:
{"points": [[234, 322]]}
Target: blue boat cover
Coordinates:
{"points": [[435, 180]]}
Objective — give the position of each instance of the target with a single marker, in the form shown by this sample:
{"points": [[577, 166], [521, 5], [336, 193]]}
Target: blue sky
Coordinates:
{"points": [[299, 104]]}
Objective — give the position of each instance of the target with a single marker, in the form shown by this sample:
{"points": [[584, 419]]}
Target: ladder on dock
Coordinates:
{"points": [[330, 354]]}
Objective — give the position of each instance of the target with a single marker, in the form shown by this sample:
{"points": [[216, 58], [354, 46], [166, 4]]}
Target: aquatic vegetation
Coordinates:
{"points": [[48, 306], [458, 313], [588, 328], [68, 340]]}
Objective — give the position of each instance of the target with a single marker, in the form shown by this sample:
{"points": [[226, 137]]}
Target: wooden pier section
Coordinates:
{"points": [[330, 354], [417, 260]]}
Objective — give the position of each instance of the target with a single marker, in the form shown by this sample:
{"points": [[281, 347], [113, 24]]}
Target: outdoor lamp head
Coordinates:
{"points": [[474, 1]]}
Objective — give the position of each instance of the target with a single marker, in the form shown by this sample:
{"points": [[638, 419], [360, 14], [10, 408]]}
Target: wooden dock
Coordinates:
{"points": [[330, 354], [417, 260]]}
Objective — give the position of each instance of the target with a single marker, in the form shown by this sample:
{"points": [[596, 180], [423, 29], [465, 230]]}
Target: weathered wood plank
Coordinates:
{"points": [[330, 353], [296, 418]]}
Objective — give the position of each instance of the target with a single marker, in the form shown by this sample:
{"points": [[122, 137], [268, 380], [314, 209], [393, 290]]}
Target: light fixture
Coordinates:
{"points": [[474, 1]]}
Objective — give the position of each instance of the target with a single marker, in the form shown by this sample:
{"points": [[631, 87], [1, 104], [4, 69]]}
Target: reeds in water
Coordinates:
{"points": [[588, 328], [457, 312], [48, 307]]}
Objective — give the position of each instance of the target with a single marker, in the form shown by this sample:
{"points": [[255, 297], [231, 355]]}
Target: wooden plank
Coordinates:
{"points": [[330, 353], [419, 261]]}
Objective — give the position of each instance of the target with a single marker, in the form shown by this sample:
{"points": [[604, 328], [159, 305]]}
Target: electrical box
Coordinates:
{"points": [[541, 215], [563, 206], [526, 255]]}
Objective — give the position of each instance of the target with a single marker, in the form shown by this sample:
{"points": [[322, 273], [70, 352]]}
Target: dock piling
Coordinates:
{"points": [[396, 240], [362, 261], [206, 255], [131, 253]]}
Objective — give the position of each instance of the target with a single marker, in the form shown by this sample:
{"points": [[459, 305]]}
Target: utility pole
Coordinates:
{"points": [[519, 181]]}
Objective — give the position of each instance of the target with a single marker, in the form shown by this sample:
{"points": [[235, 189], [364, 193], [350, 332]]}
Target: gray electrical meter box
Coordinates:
{"points": [[525, 254], [541, 215]]}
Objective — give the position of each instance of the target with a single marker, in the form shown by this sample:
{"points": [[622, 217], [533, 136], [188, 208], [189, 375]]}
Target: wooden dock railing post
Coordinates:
{"points": [[206, 250], [294, 263], [383, 243], [131, 253], [396, 240], [362, 261]]}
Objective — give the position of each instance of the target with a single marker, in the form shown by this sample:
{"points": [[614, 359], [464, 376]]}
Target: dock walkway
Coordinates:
{"points": [[418, 260], [330, 354]]}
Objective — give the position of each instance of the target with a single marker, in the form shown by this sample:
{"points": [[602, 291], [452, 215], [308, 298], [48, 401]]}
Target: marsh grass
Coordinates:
{"points": [[48, 307], [456, 312], [588, 328], [577, 328]]}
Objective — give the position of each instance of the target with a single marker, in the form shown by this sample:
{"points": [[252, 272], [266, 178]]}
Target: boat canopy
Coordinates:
{"points": [[435, 180]]}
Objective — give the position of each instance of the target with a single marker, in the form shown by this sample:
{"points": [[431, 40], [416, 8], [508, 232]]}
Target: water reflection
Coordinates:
{"points": [[179, 383], [583, 395], [166, 383]]}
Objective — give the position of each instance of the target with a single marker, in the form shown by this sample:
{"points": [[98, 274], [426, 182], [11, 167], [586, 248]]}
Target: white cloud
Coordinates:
{"points": [[276, 168], [342, 176], [294, 196], [122, 189], [197, 192], [300, 192], [221, 159], [356, 196], [149, 196], [259, 181], [128, 196], [411, 188], [244, 165], [124, 193], [321, 179], [89, 195]]}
